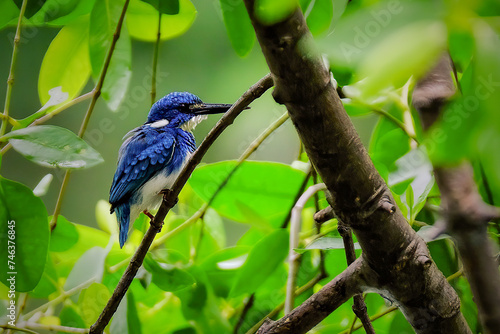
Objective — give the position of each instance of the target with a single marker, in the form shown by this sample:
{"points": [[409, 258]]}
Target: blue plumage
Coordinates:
{"points": [[153, 154]]}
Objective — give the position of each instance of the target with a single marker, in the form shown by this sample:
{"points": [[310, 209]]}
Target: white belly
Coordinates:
{"points": [[148, 197]]}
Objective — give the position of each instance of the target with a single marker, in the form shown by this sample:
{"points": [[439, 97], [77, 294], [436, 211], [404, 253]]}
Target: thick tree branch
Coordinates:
{"points": [[465, 213], [398, 257], [170, 198]]}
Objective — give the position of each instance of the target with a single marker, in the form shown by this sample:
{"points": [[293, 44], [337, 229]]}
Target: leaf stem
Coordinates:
{"points": [[59, 299], [53, 113], [13, 61], [155, 60], [96, 92]]}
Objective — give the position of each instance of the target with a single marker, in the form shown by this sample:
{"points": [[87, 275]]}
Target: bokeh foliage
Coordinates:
{"points": [[201, 277]]}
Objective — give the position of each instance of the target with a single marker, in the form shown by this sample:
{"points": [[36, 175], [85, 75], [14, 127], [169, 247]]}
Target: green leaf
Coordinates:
{"points": [[92, 301], [88, 267], [170, 7], [238, 26], [48, 283], [168, 277], [117, 79], [353, 108], [470, 124], [64, 236], [326, 243], [70, 317], [273, 11], [66, 62], [320, 17], [388, 142], [400, 325], [8, 12], [103, 22], [32, 7], [258, 193], [106, 221], [222, 267], [58, 13], [88, 237], [262, 261], [126, 320], [53, 146], [142, 21], [409, 51], [24, 234]]}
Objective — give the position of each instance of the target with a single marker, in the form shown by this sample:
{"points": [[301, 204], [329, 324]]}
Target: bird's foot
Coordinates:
{"points": [[168, 198], [146, 212]]}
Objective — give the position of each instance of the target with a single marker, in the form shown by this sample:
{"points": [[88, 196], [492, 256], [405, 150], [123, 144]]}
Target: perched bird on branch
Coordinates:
{"points": [[152, 156]]}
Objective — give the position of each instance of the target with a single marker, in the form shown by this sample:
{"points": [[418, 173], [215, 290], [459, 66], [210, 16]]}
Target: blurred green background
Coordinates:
{"points": [[201, 61]]}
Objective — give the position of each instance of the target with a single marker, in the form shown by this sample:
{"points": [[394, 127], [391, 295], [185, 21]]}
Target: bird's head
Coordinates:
{"points": [[183, 110]]}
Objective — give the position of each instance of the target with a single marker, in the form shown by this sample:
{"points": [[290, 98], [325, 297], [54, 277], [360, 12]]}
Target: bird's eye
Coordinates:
{"points": [[184, 107]]}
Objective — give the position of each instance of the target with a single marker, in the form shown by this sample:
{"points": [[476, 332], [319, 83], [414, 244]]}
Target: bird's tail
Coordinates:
{"points": [[123, 215]]}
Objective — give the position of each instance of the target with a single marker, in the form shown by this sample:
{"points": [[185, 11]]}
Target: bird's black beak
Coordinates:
{"points": [[209, 108]]}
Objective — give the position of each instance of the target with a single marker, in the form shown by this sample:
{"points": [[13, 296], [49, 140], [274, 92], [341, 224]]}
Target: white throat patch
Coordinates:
{"points": [[159, 124], [193, 122]]}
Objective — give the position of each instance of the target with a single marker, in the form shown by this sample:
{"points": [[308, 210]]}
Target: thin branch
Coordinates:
{"points": [[59, 299], [301, 190], [65, 329], [394, 308], [396, 122], [309, 285], [24, 330], [293, 256], [322, 303], [13, 61], [170, 198], [96, 92], [324, 215], [466, 215], [246, 154], [248, 306], [359, 307], [155, 60], [53, 113]]}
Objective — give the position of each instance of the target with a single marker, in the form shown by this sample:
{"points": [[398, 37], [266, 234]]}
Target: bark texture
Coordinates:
{"points": [[465, 213], [396, 260]]}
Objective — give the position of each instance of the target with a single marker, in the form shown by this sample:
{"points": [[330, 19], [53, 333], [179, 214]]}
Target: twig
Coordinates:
{"points": [[324, 215], [359, 307], [297, 196], [248, 306], [10, 80], [96, 92], [170, 198], [62, 297], [244, 156], [396, 122], [318, 306], [9, 327], [277, 309], [394, 308], [295, 224], [155, 60], [53, 113], [65, 329], [465, 213]]}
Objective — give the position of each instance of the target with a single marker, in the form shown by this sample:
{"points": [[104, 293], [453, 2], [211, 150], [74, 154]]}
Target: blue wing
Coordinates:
{"points": [[141, 156]]}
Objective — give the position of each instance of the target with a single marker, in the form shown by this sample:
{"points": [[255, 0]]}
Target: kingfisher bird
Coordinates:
{"points": [[152, 155]]}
